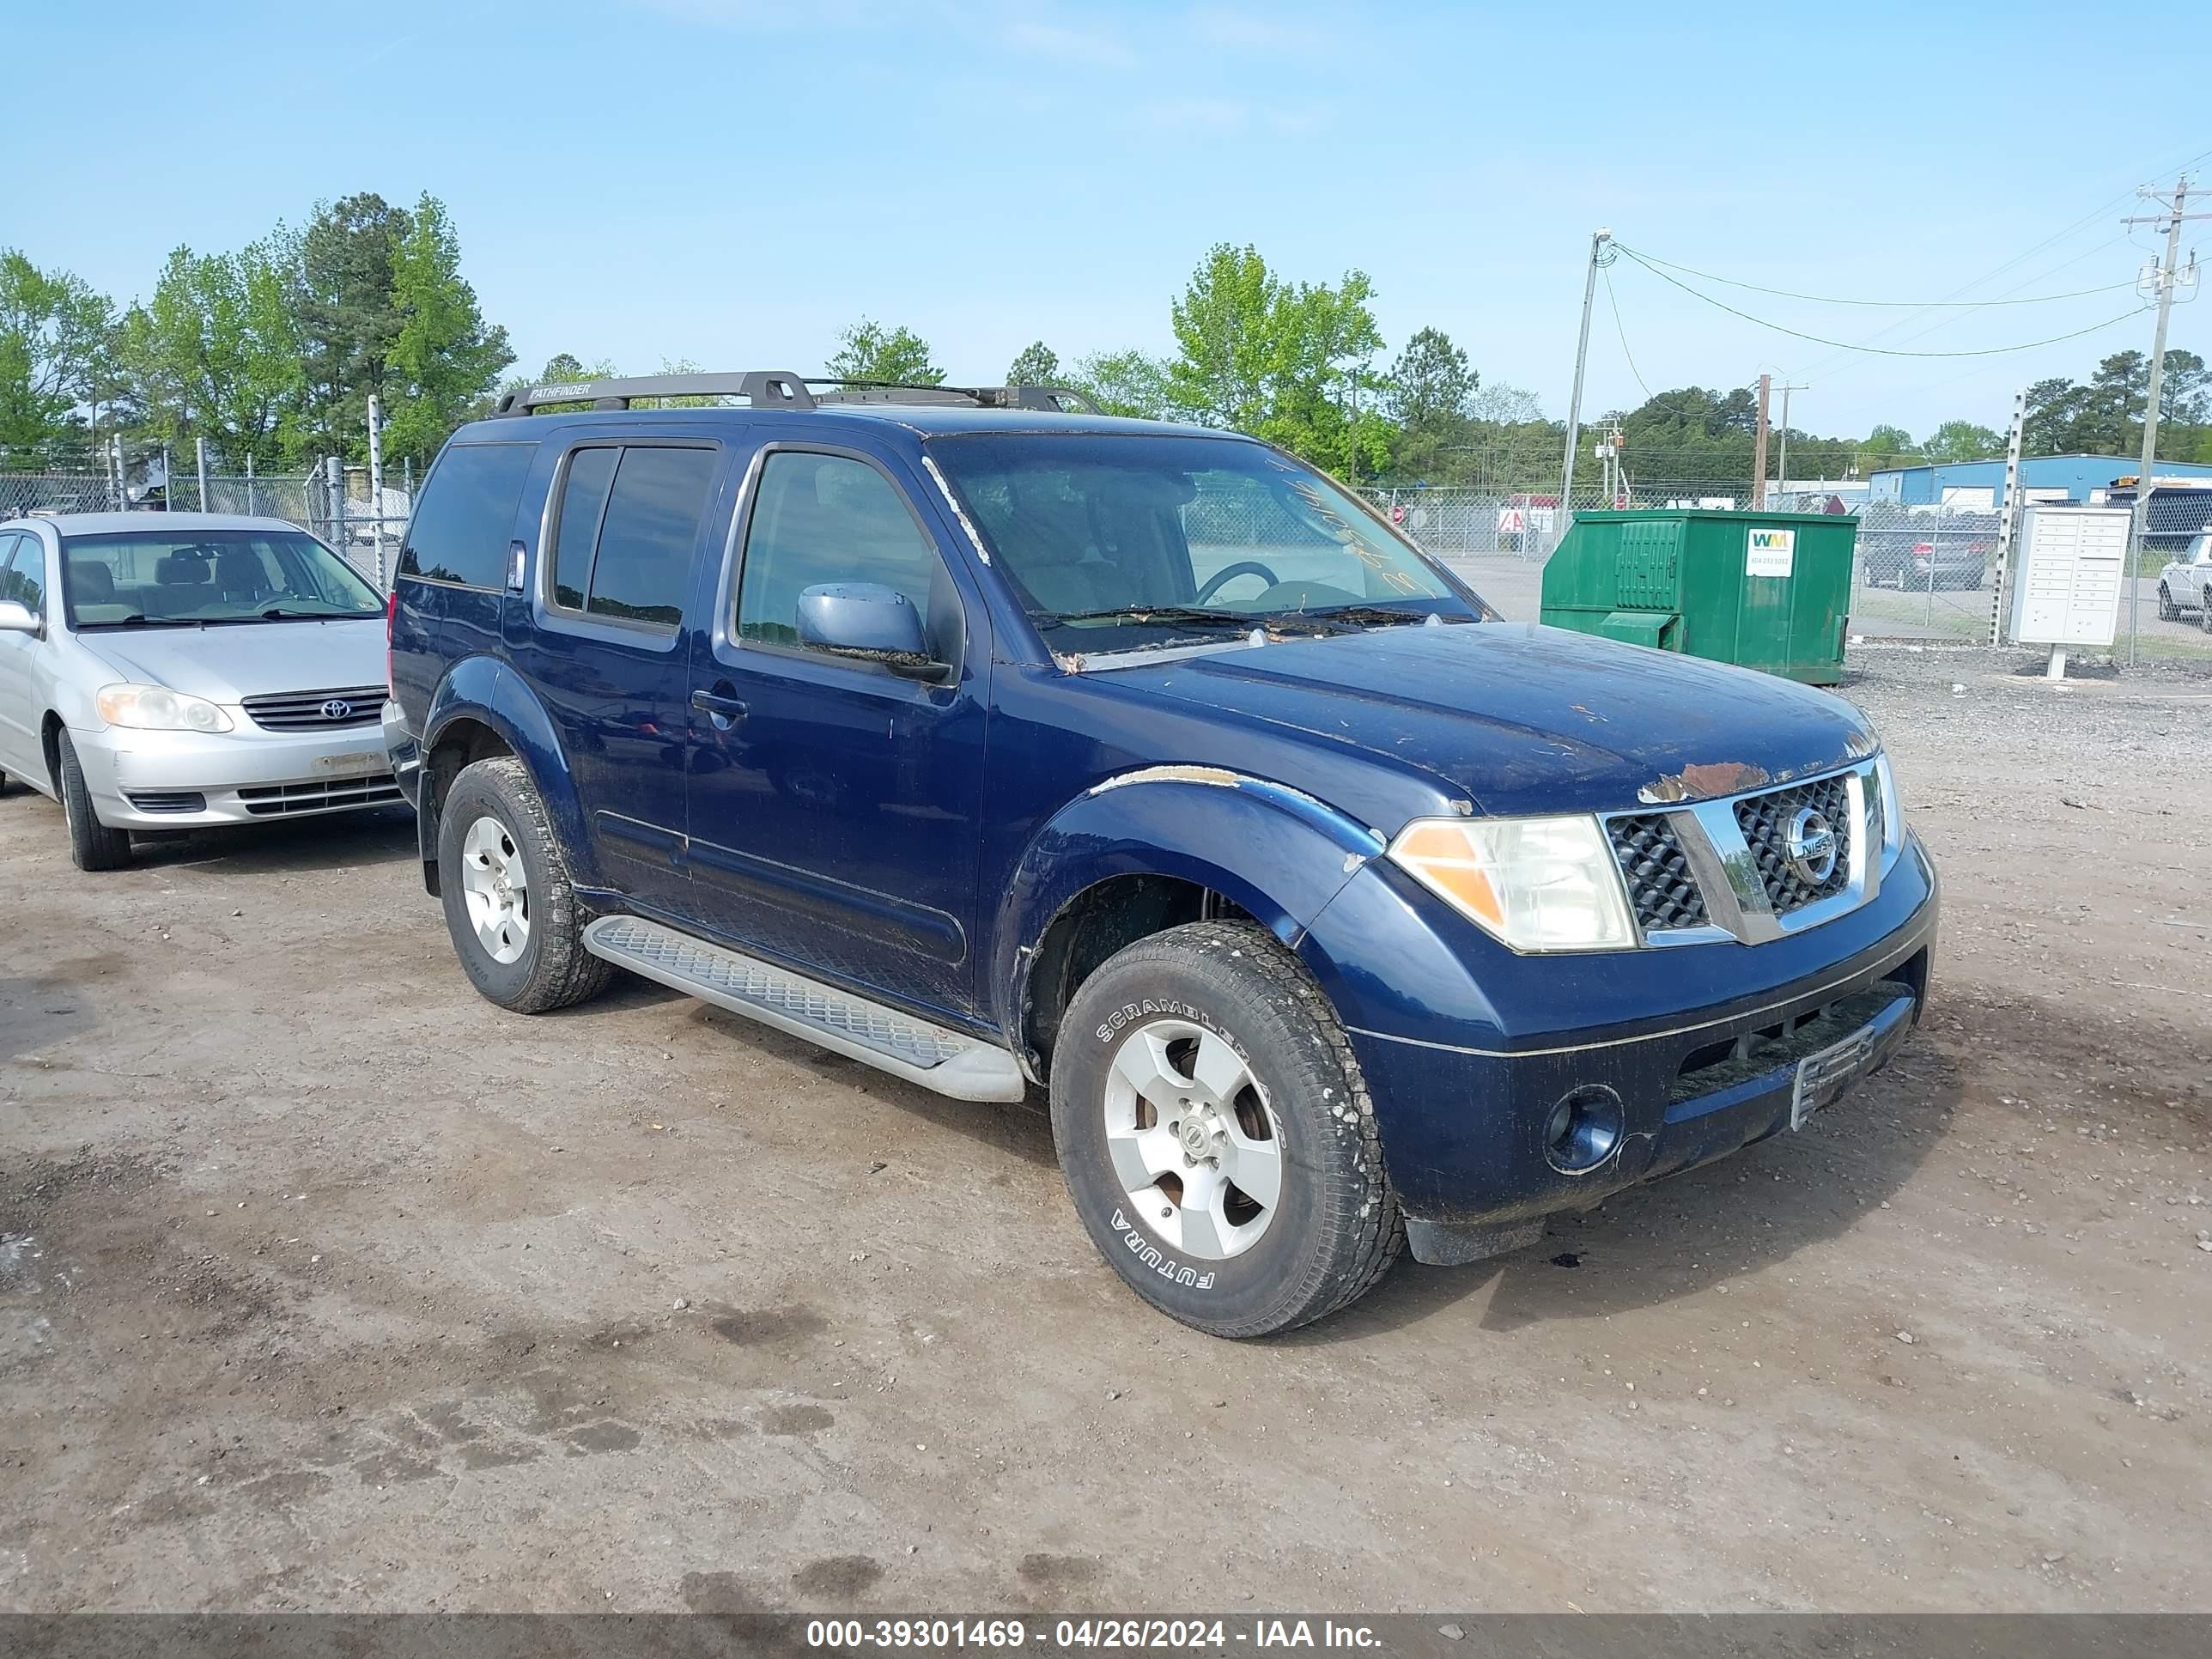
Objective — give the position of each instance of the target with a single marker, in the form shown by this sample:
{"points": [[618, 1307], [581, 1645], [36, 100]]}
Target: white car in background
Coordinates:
{"points": [[2182, 584], [164, 670]]}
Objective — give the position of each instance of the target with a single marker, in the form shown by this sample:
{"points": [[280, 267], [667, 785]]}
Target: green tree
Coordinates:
{"points": [[1038, 364], [444, 358], [869, 351], [1885, 446], [341, 304], [56, 338], [1130, 383], [1963, 440], [215, 353], [1427, 392], [1430, 383], [1284, 361]]}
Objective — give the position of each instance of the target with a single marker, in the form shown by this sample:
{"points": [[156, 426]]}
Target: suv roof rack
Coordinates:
{"points": [[775, 388]]}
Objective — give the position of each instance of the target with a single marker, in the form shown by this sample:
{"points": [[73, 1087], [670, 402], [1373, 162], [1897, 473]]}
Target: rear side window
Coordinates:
{"points": [[627, 536], [460, 532]]}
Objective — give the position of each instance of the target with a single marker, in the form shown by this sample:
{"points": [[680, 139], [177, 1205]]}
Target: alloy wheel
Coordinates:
{"points": [[1196, 1148], [496, 888]]}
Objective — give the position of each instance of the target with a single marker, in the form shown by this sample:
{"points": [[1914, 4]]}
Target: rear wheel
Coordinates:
{"points": [[92, 845], [2204, 611], [513, 916], [1216, 1134]]}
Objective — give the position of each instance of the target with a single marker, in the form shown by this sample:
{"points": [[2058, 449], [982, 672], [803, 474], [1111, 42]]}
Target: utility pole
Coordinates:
{"points": [[2008, 516], [376, 483], [1599, 240], [2163, 280], [1758, 448], [1782, 464]]}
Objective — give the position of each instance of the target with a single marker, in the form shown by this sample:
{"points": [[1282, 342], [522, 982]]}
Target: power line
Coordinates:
{"points": [[1880, 351], [1649, 259], [2059, 236], [1614, 301]]}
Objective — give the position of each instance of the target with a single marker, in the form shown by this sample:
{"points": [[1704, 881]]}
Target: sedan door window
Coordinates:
{"points": [[23, 572]]}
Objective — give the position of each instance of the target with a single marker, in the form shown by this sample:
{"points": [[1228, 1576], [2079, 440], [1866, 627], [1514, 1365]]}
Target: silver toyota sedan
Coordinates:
{"points": [[164, 670]]}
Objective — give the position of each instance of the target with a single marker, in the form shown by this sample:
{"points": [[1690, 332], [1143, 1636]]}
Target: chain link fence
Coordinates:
{"points": [[334, 503]]}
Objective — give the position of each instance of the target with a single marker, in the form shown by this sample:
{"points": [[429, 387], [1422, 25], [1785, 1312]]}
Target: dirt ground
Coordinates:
{"points": [[324, 1285]]}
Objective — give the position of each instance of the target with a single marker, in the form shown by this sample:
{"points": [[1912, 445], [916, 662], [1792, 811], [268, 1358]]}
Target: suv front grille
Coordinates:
{"points": [[312, 711], [1660, 888], [1765, 820]]}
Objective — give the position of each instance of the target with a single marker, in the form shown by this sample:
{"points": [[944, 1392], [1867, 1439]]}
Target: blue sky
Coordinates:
{"points": [[733, 181]]}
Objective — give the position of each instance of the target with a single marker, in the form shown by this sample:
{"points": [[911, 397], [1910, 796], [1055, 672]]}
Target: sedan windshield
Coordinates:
{"points": [[183, 578], [1118, 543]]}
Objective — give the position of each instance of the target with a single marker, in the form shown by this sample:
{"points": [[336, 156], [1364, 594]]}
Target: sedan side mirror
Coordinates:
{"points": [[16, 618], [869, 621]]}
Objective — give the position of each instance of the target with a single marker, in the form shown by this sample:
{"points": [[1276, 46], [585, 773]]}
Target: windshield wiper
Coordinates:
{"points": [[1376, 615], [138, 619], [277, 613], [1162, 613]]}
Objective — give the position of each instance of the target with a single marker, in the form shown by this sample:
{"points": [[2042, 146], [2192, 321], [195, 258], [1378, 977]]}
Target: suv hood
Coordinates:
{"points": [[1521, 719], [227, 662]]}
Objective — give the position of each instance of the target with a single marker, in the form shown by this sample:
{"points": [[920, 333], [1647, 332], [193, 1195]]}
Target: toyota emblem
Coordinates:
{"points": [[1812, 847], [337, 709]]}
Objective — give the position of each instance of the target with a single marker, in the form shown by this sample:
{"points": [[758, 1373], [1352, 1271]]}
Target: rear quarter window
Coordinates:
{"points": [[460, 532]]}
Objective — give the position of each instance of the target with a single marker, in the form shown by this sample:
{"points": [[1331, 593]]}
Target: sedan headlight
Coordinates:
{"points": [[1533, 883], [157, 708]]}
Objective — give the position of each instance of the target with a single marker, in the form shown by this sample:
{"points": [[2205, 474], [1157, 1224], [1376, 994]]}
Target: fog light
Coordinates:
{"points": [[1583, 1129]]}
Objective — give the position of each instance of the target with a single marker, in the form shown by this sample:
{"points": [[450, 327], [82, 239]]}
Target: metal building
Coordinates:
{"points": [[1976, 485]]}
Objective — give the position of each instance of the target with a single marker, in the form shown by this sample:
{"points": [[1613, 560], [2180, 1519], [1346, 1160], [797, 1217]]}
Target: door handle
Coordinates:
{"points": [[723, 707]]}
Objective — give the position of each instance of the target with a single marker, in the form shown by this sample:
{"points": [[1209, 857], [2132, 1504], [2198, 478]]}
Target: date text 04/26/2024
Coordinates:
{"points": [[1170, 1634]]}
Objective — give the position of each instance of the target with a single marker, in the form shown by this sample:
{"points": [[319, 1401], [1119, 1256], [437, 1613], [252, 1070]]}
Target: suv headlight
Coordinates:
{"points": [[1893, 809], [1533, 883], [157, 708]]}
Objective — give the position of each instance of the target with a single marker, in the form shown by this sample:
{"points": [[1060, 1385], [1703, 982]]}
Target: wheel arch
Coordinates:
{"points": [[49, 744], [482, 709], [1141, 853]]}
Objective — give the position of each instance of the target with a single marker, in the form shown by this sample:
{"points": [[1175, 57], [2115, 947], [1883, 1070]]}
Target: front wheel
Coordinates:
{"points": [[1216, 1134], [2167, 610], [92, 845], [513, 916]]}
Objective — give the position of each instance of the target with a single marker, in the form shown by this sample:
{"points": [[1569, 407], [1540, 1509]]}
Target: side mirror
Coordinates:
{"points": [[16, 618], [869, 621]]}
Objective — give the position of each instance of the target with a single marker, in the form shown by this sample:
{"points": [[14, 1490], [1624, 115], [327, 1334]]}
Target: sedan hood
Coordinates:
{"points": [[228, 662], [1521, 719]]}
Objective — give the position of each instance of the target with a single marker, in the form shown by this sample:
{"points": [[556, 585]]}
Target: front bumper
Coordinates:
{"points": [[1686, 1080], [182, 780]]}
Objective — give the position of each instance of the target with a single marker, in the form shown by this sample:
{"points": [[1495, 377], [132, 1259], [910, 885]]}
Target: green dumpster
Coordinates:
{"points": [[1764, 589]]}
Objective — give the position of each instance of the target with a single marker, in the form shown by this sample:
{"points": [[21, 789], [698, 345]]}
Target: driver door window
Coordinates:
{"points": [[23, 572], [827, 519]]}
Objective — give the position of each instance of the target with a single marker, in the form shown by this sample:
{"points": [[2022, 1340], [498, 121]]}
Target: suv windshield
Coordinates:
{"points": [[156, 577], [1118, 543]]}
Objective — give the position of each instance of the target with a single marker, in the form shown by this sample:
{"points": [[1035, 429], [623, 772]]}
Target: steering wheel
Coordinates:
{"points": [[1241, 568]]}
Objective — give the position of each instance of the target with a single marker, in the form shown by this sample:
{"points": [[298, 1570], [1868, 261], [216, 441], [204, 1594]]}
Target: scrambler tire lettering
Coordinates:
{"points": [[1129, 1012]]}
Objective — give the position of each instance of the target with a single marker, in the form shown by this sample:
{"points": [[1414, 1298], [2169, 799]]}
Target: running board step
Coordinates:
{"points": [[951, 1062]]}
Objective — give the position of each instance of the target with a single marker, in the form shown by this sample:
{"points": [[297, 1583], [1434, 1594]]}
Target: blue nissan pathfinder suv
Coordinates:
{"points": [[1007, 746]]}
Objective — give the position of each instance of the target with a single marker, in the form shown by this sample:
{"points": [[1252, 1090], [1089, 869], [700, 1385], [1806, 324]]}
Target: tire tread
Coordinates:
{"points": [[565, 972], [1363, 1254]]}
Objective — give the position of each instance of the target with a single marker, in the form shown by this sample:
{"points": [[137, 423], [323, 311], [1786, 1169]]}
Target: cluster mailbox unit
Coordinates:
{"points": [[2066, 583]]}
